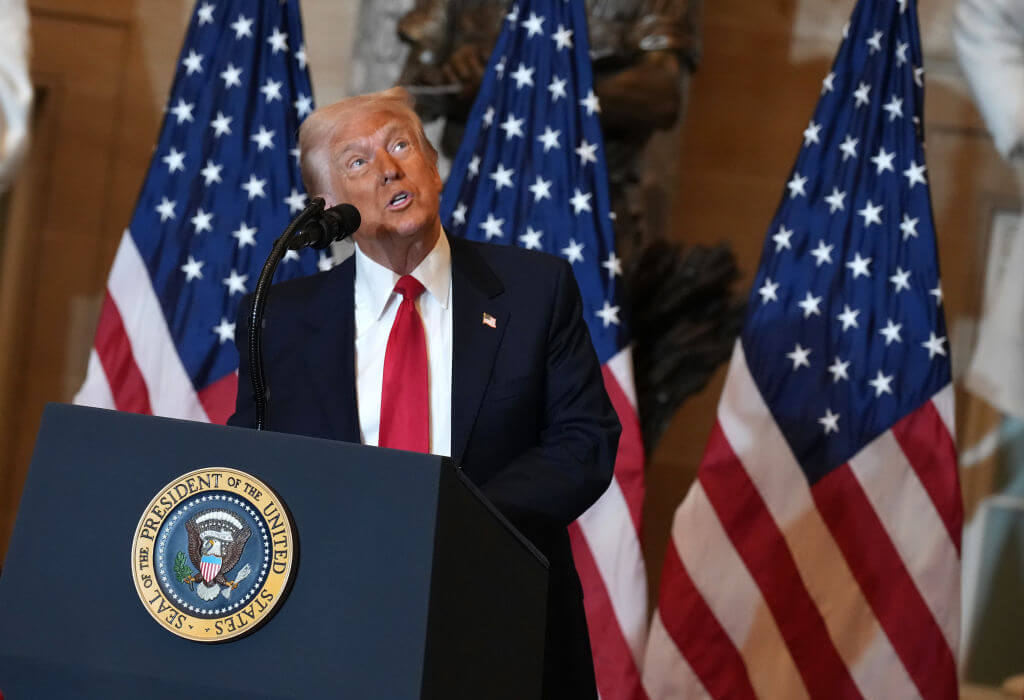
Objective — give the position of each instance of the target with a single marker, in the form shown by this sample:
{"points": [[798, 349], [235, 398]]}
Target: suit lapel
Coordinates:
{"points": [[476, 296], [330, 354]]}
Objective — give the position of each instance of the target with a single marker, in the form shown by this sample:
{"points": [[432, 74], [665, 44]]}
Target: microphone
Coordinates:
{"points": [[329, 225]]}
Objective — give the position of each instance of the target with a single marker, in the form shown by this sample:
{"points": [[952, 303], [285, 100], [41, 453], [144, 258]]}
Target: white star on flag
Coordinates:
{"points": [[580, 201], [894, 107], [861, 94], [549, 138], [271, 90], [835, 201], [909, 227], [574, 251], [591, 103], [891, 332], [254, 187], [875, 42], [822, 254], [193, 269], [211, 173], [782, 238], [810, 305], [848, 317], [587, 152], [492, 227], [242, 27], [796, 186], [871, 213], [849, 147], [881, 384], [523, 76], [296, 201], [232, 77], [828, 83], [557, 88], [205, 14], [502, 177], [541, 189], [193, 63], [278, 41], [811, 133], [533, 25], [221, 125], [613, 264], [531, 239], [883, 160], [263, 138], [830, 421], [235, 282], [165, 209], [768, 291], [900, 280], [245, 234], [562, 38], [859, 266], [224, 330], [914, 174], [934, 345], [838, 370], [608, 314], [202, 221], [799, 356], [183, 111]]}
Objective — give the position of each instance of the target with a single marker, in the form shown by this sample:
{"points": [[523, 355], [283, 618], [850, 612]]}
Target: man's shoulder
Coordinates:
{"points": [[511, 262]]}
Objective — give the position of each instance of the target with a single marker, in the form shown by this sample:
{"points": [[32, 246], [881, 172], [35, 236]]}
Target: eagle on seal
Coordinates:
{"points": [[216, 538]]}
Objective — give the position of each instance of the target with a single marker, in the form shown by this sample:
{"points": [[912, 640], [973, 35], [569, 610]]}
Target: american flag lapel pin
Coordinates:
{"points": [[489, 320]]}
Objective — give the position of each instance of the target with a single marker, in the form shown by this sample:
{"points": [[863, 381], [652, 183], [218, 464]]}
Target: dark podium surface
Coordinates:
{"points": [[408, 584]]}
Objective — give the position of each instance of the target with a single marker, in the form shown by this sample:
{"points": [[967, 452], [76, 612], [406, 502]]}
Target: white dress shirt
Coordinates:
{"points": [[376, 307]]}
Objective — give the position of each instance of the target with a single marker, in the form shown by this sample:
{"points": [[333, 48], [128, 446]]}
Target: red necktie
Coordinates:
{"points": [[404, 402]]}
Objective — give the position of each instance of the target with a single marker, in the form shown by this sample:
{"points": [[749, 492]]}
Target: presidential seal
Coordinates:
{"points": [[213, 554]]}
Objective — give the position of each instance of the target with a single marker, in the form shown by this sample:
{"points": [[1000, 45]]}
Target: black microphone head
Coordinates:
{"points": [[330, 225], [343, 220]]}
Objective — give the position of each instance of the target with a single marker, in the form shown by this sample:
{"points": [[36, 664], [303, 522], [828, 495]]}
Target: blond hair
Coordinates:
{"points": [[315, 133]]}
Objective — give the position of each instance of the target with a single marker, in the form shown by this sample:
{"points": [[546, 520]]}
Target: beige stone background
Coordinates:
{"points": [[103, 68]]}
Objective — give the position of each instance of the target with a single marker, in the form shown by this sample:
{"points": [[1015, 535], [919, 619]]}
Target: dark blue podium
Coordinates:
{"points": [[408, 583]]}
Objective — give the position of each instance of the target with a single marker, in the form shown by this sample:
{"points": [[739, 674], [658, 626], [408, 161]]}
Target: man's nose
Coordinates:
{"points": [[390, 170]]}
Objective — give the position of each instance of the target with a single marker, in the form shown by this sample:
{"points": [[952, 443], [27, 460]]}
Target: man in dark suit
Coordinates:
{"points": [[463, 349]]}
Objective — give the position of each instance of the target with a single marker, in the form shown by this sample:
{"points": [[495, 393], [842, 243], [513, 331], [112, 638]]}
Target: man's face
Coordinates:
{"points": [[378, 165]]}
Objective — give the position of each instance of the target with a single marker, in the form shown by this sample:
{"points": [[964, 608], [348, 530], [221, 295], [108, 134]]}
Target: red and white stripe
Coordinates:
{"points": [[134, 365], [209, 569], [606, 549], [849, 588]]}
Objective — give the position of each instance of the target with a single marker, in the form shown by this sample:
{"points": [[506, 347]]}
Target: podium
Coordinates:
{"points": [[407, 583]]}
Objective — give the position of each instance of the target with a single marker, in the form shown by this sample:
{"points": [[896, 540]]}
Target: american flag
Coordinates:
{"points": [[531, 172], [818, 553], [222, 185]]}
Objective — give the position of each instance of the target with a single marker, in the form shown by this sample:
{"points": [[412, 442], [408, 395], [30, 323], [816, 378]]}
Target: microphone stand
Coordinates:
{"points": [[259, 307]]}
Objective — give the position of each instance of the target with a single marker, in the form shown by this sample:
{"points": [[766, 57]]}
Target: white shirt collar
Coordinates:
{"points": [[375, 283]]}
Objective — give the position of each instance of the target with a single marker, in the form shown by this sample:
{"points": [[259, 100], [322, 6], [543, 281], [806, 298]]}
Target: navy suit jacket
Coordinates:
{"points": [[532, 425]]}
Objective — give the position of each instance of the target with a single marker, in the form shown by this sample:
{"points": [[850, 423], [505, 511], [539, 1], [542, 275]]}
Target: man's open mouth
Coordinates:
{"points": [[400, 200]]}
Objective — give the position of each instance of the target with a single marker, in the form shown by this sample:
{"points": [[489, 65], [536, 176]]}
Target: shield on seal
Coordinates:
{"points": [[209, 566]]}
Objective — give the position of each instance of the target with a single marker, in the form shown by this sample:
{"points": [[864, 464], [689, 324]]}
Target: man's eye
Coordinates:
{"points": [[401, 145], [357, 163]]}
